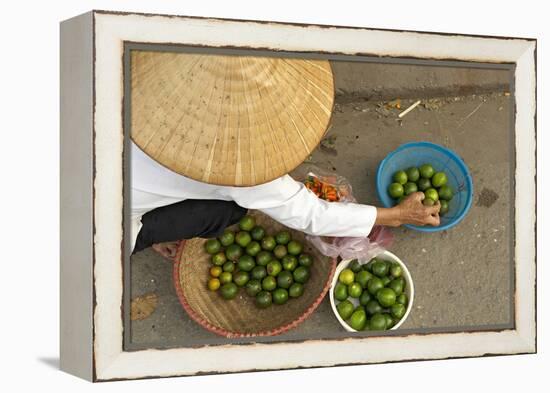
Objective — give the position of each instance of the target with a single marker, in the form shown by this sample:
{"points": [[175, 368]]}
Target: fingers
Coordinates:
{"points": [[433, 220], [165, 252], [418, 196], [417, 213], [434, 209], [171, 250]]}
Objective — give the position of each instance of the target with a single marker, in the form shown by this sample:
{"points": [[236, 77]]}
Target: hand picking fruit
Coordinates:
{"points": [[421, 184]]}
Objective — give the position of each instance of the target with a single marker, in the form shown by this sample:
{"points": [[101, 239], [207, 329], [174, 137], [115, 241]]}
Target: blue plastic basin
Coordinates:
{"points": [[442, 159]]}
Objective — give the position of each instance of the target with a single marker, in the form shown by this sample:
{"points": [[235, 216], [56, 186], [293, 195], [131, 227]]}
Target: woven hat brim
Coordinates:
{"points": [[229, 120]]}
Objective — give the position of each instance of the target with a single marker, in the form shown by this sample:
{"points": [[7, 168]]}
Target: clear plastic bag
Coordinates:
{"points": [[363, 248], [336, 188]]}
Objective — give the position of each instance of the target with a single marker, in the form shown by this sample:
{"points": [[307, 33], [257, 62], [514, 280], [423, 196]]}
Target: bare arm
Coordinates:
{"points": [[410, 211]]}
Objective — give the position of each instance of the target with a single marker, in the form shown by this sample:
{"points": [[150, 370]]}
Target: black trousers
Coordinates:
{"points": [[187, 219]]}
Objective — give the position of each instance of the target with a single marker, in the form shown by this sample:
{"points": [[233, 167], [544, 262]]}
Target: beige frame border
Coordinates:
{"points": [[111, 30]]}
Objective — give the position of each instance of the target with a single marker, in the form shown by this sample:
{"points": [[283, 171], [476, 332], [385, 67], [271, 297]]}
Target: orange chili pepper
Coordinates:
{"points": [[323, 189]]}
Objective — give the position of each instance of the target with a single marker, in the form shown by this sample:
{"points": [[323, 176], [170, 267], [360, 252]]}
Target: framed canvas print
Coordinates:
{"points": [[245, 195]]}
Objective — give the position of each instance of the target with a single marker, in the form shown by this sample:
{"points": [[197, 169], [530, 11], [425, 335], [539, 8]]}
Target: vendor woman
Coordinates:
{"points": [[213, 136]]}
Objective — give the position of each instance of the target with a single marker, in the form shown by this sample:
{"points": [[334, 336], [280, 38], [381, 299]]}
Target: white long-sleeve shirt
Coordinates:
{"points": [[284, 199]]}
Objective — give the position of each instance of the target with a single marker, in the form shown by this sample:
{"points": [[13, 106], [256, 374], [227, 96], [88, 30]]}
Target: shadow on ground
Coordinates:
{"points": [[52, 362]]}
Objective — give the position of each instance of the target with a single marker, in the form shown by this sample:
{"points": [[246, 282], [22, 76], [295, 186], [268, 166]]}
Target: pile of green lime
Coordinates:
{"points": [[425, 179], [378, 289], [270, 268]]}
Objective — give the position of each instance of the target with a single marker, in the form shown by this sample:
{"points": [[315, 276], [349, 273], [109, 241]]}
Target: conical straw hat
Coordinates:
{"points": [[229, 120]]}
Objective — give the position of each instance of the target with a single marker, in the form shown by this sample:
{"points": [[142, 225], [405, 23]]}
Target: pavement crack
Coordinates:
{"points": [[470, 115]]}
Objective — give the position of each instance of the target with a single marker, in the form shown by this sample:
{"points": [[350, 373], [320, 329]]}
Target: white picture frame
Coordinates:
{"points": [[92, 203]]}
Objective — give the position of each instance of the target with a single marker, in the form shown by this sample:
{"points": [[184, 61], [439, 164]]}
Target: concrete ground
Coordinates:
{"points": [[462, 277], [382, 81]]}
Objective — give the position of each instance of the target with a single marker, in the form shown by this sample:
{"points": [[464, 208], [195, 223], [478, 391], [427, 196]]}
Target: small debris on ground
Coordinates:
{"points": [[143, 306], [382, 110], [327, 145], [486, 198], [395, 104], [328, 149], [432, 104], [410, 108], [329, 140]]}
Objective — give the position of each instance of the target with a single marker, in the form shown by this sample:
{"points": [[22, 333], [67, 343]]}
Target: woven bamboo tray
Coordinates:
{"points": [[240, 317]]}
